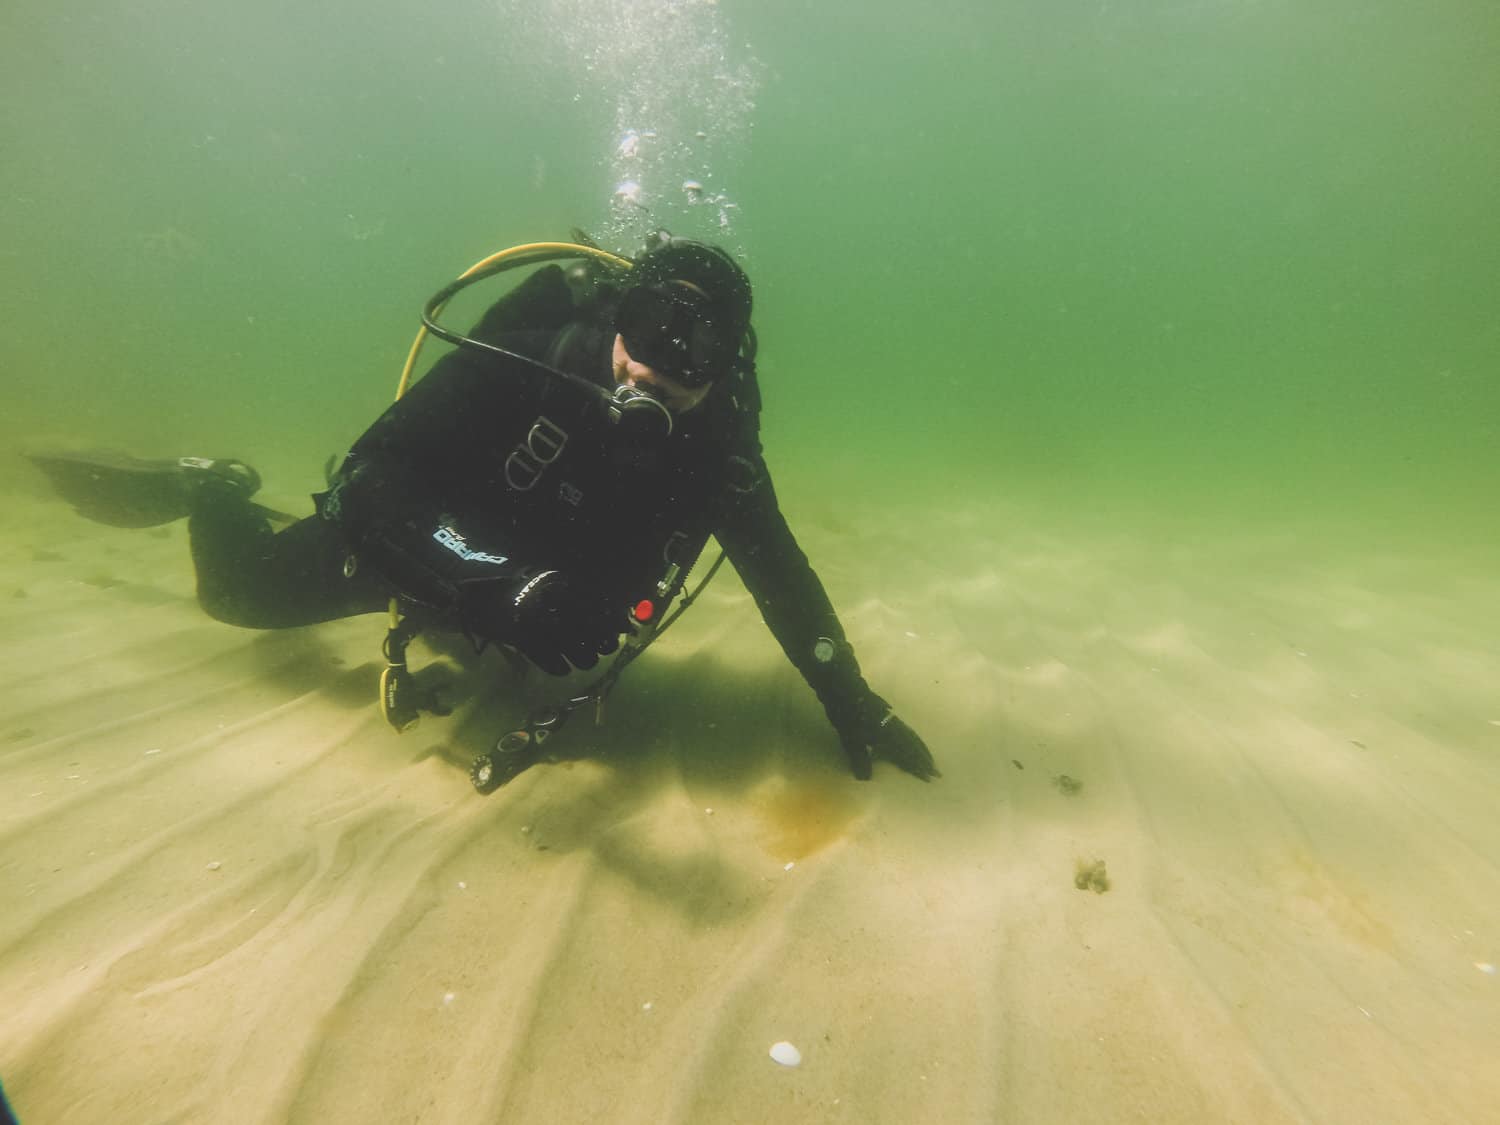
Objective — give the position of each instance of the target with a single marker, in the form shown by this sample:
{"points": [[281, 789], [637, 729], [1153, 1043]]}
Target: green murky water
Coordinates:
{"points": [[1234, 259]]}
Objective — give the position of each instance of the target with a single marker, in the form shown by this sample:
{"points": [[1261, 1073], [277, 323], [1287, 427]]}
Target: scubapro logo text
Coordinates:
{"points": [[455, 543]]}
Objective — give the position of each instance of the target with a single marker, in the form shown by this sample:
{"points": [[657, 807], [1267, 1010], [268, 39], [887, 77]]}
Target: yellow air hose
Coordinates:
{"points": [[529, 253]]}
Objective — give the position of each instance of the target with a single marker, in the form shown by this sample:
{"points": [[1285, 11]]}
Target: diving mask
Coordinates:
{"points": [[673, 329]]}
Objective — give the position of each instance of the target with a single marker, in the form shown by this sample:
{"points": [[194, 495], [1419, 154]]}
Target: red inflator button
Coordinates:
{"points": [[644, 610]]}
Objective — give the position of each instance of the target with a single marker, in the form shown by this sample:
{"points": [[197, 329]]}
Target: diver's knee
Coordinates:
{"points": [[223, 606]]}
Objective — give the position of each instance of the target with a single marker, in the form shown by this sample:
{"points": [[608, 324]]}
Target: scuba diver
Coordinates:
{"points": [[546, 488]]}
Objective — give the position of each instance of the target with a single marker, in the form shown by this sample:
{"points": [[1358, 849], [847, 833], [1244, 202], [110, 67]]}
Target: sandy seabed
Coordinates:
{"points": [[228, 893]]}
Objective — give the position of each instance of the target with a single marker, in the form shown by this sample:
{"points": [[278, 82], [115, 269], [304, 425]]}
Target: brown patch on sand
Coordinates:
{"points": [[800, 818]]}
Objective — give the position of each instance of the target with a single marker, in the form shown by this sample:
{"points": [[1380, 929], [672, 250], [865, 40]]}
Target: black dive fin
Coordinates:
{"points": [[117, 490], [122, 491]]}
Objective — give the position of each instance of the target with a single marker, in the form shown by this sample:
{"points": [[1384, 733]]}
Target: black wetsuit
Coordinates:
{"points": [[489, 467]]}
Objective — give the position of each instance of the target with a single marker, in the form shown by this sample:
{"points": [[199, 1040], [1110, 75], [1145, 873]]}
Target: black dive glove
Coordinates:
{"points": [[555, 626], [870, 730], [867, 726]]}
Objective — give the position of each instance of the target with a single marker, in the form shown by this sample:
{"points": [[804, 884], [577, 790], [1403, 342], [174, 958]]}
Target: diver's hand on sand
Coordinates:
{"points": [[870, 730], [898, 744]]}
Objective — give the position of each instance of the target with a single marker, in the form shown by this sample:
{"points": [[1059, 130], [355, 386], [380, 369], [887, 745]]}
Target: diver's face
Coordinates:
{"points": [[632, 373]]}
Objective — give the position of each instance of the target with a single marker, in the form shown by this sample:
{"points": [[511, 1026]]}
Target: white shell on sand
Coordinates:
{"points": [[786, 1054]]}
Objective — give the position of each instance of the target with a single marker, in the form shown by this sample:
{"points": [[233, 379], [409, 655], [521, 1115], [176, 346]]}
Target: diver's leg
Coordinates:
{"points": [[252, 576]]}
